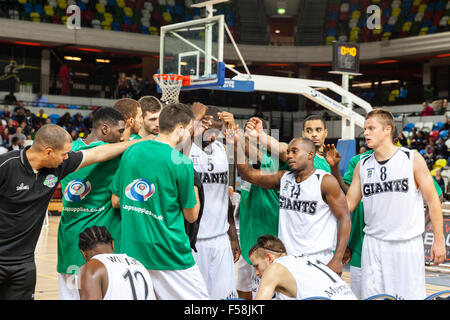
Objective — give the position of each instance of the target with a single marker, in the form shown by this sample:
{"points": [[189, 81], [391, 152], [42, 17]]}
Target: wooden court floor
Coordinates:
{"points": [[46, 258]]}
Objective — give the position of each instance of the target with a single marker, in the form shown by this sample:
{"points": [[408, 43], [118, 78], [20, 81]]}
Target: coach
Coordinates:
{"points": [[28, 178]]}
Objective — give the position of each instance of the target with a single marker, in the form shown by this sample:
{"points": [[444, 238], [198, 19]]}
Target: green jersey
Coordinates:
{"points": [[357, 234], [259, 208], [321, 163], [154, 182], [86, 203]]}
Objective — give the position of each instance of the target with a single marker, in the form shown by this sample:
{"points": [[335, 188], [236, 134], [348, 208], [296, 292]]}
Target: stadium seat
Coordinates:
{"points": [[428, 126], [438, 125], [409, 126], [433, 135], [54, 117], [440, 163], [443, 134], [418, 125]]}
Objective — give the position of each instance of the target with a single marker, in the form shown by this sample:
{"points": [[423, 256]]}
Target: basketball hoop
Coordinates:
{"points": [[170, 85]]}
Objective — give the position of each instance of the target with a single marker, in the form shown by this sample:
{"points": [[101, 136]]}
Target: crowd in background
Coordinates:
{"points": [[18, 124]]}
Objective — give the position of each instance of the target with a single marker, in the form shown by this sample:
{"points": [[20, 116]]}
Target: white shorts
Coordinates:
{"points": [[244, 278], [396, 268], [323, 256], [68, 285], [214, 258], [355, 281], [185, 284]]}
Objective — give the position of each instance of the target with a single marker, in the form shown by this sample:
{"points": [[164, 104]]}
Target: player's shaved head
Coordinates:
{"points": [[51, 136], [304, 144]]}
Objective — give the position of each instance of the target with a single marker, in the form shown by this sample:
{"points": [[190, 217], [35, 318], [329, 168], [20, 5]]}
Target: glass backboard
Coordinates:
{"points": [[194, 48]]}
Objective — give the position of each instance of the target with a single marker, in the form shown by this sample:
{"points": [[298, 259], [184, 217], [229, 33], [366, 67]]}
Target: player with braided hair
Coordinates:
{"points": [[110, 276]]}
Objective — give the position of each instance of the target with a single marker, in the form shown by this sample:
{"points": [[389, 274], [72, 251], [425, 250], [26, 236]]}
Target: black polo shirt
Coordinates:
{"points": [[24, 199]]}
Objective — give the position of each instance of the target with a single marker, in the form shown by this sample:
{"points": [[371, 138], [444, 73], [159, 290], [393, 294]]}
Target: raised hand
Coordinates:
{"points": [[199, 110], [227, 118], [254, 127], [332, 155]]}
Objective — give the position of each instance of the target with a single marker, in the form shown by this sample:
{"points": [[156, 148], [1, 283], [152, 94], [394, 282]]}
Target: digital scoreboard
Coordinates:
{"points": [[345, 57]]}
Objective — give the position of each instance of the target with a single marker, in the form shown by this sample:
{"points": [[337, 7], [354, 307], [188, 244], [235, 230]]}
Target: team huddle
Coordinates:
{"points": [[147, 212]]}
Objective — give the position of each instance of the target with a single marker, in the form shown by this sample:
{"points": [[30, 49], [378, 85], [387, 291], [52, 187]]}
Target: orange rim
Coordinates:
{"points": [[186, 80]]}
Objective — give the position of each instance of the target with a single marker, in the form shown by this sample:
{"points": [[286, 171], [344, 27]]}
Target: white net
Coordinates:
{"points": [[170, 85]]}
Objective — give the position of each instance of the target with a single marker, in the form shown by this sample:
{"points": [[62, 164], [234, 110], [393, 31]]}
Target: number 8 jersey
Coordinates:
{"points": [[127, 278], [393, 205]]}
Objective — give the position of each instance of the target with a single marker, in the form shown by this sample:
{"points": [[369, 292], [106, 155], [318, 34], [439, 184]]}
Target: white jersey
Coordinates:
{"points": [[213, 170], [306, 224], [127, 278], [393, 205], [314, 279]]}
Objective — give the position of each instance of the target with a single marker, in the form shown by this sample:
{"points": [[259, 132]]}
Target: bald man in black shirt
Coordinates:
{"points": [[28, 179]]}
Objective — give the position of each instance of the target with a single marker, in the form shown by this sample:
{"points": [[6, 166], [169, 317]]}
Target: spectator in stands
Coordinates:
{"points": [[135, 87], [41, 117], [66, 122], [19, 135], [12, 125], [64, 79], [439, 179], [429, 157], [26, 129], [10, 98], [40, 101], [15, 145], [6, 113], [5, 137], [441, 149], [427, 110], [123, 87], [403, 140], [439, 107], [88, 122], [447, 123], [78, 121]]}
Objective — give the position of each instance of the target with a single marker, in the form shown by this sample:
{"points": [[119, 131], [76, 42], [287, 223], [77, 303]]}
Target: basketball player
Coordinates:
{"points": [[293, 277], [28, 179], [109, 276], [151, 108], [357, 234], [132, 112], [87, 199], [154, 188], [259, 208], [392, 183], [215, 255], [311, 202], [314, 129]]}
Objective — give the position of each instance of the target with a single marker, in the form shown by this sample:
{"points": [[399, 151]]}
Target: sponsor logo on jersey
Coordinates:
{"points": [[286, 185], [50, 181], [370, 172], [76, 190], [399, 185], [139, 190], [308, 207], [22, 187]]}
